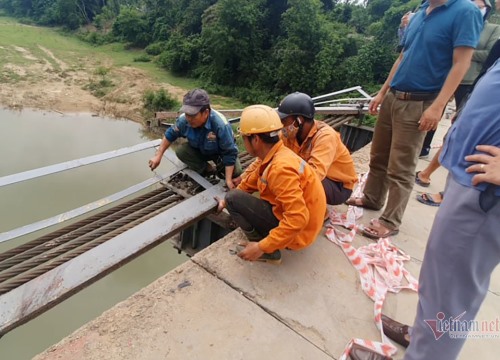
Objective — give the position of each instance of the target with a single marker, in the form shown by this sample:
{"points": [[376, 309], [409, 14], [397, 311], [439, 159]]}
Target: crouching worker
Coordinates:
{"points": [[209, 135], [290, 211], [318, 144]]}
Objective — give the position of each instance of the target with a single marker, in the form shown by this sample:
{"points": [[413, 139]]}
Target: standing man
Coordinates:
{"points": [[290, 210], [209, 135], [464, 244], [488, 37], [437, 50], [481, 61], [319, 145]]}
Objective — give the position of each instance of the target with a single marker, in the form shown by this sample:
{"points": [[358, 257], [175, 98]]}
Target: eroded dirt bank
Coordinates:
{"points": [[44, 81]]}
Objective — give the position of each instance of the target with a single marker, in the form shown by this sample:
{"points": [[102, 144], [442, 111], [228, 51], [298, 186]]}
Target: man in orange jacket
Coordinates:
{"points": [[290, 211], [319, 145]]}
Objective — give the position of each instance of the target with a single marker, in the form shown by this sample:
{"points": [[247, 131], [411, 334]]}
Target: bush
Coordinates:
{"points": [[95, 38], [142, 58], [155, 48], [131, 26], [180, 55], [159, 101]]}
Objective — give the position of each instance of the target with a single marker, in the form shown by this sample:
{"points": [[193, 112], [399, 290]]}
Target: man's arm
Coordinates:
{"points": [[461, 61], [377, 100], [480, 56], [155, 160], [493, 56], [229, 152], [169, 137], [323, 152], [229, 171]]}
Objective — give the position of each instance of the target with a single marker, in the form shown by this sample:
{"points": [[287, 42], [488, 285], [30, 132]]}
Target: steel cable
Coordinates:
{"points": [[114, 222], [81, 247], [58, 238], [20, 249]]}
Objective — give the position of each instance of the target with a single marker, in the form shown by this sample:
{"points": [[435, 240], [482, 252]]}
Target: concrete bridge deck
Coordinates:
{"points": [[216, 306]]}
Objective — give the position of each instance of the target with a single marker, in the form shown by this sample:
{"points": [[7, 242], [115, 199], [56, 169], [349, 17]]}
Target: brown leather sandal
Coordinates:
{"points": [[395, 331]]}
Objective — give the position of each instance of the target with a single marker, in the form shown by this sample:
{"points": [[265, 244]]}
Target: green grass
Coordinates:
{"points": [[76, 53], [29, 37]]}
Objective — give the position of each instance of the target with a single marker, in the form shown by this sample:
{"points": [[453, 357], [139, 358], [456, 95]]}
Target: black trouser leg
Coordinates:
{"points": [[251, 213]]}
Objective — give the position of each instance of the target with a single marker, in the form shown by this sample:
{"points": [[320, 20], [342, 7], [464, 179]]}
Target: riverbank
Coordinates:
{"points": [[43, 69]]}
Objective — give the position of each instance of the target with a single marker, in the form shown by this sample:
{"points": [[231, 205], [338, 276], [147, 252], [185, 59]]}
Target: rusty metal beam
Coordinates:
{"points": [[38, 295]]}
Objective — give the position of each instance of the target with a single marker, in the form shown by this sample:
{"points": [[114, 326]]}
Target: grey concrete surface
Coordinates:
{"points": [[187, 314], [309, 307]]}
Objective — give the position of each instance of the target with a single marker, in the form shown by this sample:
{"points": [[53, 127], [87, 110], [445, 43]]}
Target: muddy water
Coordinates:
{"points": [[29, 140]]}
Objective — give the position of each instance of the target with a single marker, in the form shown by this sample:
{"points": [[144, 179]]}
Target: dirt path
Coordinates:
{"points": [[43, 81]]}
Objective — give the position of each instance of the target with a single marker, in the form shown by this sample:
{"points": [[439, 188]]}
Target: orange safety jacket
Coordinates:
{"points": [[324, 150], [297, 197]]}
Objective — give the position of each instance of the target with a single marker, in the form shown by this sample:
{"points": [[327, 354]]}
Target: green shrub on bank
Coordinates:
{"points": [[95, 38], [142, 58], [159, 101], [155, 48]]}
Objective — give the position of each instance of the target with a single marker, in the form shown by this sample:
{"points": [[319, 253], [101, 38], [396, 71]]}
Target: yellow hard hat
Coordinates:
{"points": [[258, 119]]}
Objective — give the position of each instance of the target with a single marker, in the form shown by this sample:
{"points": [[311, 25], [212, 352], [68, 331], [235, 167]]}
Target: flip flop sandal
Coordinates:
{"points": [[420, 182], [374, 234], [426, 198]]}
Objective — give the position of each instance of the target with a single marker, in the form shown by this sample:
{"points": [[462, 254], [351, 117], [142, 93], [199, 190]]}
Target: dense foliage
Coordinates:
{"points": [[256, 50]]}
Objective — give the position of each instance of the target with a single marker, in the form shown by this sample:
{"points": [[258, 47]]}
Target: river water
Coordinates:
{"points": [[32, 139]]}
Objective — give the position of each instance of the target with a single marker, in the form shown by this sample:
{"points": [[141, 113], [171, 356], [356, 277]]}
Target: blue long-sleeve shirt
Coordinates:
{"points": [[478, 124], [214, 138]]}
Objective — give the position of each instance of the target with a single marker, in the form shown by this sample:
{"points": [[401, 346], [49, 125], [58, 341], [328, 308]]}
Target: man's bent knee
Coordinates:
{"points": [[235, 197]]}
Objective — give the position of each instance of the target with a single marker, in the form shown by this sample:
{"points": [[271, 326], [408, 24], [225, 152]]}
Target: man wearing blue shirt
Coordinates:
{"points": [[437, 50], [209, 137], [464, 243]]}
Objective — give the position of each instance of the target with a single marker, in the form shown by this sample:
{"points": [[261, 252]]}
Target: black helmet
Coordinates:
{"points": [[296, 104]]}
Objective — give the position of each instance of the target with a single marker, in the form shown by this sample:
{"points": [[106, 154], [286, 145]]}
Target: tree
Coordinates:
{"points": [[181, 54], [232, 41], [304, 37], [377, 8], [132, 26]]}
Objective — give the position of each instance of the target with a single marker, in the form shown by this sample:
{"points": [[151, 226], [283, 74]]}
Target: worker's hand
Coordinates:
{"points": [[375, 103], [237, 180], [487, 165], [251, 252], [154, 162], [221, 204], [230, 184], [430, 118]]}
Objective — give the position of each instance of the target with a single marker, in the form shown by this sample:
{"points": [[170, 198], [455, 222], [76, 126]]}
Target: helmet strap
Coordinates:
{"points": [[300, 130]]}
